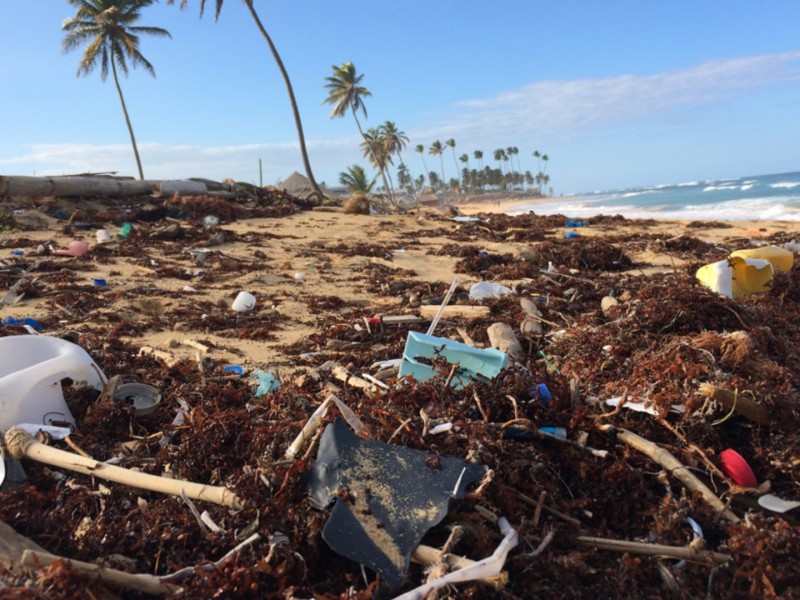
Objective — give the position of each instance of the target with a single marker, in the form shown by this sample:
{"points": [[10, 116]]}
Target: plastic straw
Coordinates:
{"points": [[438, 316]]}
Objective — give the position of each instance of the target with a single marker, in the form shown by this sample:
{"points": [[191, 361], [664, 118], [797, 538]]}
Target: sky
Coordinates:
{"points": [[618, 94]]}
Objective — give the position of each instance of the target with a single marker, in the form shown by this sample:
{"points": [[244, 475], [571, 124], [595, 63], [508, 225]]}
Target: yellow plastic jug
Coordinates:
{"points": [[745, 271]]}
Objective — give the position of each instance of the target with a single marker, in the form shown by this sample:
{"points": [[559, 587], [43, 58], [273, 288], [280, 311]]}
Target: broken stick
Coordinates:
{"points": [[20, 443], [664, 458], [682, 552]]}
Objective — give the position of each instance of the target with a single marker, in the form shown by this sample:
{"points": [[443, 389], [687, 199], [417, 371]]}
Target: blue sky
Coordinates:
{"points": [[618, 93]]}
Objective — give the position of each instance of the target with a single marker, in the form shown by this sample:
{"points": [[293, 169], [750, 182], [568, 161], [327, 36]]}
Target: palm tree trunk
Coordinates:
{"points": [[127, 119], [298, 123], [372, 150]]}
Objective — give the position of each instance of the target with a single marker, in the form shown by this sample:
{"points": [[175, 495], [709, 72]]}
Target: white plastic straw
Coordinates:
{"points": [[438, 316]]}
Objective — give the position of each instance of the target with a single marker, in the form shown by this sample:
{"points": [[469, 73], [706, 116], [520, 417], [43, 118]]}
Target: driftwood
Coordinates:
{"points": [[502, 337], [149, 584], [682, 552], [74, 186], [20, 443], [664, 458], [466, 311]]}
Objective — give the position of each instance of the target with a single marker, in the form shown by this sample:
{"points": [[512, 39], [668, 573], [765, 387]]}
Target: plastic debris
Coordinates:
{"points": [[542, 394], [775, 504], [745, 271], [265, 382], [26, 321], [483, 569], [737, 468], [31, 370], [571, 235], [234, 369], [472, 362], [486, 289], [386, 497]]}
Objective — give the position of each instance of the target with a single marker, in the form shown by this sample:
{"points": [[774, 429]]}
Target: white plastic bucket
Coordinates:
{"points": [[31, 370], [244, 302]]}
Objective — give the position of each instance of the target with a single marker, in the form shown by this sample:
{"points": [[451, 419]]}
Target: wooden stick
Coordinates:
{"points": [[664, 458], [682, 552], [150, 584], [427, 555], [20, 443], [466, 311]]}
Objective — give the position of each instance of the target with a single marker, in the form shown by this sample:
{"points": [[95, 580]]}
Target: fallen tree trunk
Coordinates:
{"points": [[75, 186]]}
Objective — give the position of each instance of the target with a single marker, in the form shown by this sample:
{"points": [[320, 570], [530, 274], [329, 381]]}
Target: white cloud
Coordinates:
{"points": [[567, 106]]}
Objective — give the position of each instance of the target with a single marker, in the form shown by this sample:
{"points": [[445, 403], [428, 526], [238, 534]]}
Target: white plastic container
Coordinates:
{"points": [[103, 236], [31, 370], [244, 302]]}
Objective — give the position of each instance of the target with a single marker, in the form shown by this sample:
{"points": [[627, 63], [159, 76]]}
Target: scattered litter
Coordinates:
{"points": [[27, 321], [571, 235], [142, 397], [469, 362], [745, 271], [486, 289], [244, 302], [775, 504], [31, 370], [737, 468], [265, 382], [386, 497]]}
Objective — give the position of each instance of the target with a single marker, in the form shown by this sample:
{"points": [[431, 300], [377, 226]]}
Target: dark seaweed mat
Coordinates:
{"points": [[648, 346]]}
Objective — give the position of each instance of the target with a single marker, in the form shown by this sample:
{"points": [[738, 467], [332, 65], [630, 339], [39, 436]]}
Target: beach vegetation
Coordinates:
{"points": [[356, 180], [109, 30]]}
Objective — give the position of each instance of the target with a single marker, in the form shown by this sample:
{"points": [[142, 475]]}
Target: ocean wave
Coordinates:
{"points": [[785, 185], [746, 186]]}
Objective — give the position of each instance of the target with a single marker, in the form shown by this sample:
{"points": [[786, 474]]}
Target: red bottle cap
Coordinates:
{"points": [[737, 468]]}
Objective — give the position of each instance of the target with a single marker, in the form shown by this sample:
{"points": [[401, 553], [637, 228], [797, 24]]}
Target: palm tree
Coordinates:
{"points": [[395, 141], [289, 90], [375, 148], [345, 93], [355, 179], [498, 156], [437, 149], [421, 149], [108, 28], [452, 144], [478, 154]]}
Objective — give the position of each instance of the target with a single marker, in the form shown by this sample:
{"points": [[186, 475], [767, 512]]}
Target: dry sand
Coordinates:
{"points": [[297, 267]]}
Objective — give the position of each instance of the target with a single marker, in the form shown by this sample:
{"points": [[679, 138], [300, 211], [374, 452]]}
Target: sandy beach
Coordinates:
{"points": [[320, 278]]}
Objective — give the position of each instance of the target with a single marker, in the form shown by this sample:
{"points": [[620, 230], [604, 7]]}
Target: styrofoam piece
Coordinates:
{"points": [[31, 370], [473, 362]]}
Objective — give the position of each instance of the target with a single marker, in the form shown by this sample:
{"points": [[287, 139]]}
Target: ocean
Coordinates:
{"points": [[761, 197]]}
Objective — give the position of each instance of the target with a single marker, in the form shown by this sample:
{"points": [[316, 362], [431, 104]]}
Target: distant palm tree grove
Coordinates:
{"points": [[110, 32]]}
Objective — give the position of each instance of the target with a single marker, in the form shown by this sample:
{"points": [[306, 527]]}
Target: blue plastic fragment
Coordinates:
{"points": [[18, 252], [26, 321], [573, 223], [475, 363], [235, 369], [571, 235], [525, 434], [542, 394], [99, 282], [265, 382]]}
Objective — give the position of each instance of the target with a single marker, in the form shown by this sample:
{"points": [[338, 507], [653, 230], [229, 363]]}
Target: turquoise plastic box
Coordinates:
{"points": [[474, 363]]}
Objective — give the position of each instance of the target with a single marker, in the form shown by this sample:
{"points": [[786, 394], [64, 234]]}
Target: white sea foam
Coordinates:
{"points": [[786, 185], [746, 186]]}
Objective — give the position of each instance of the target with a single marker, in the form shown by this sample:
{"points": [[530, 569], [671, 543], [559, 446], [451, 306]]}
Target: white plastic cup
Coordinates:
{"points": [[244, 302], [103, 236]]}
